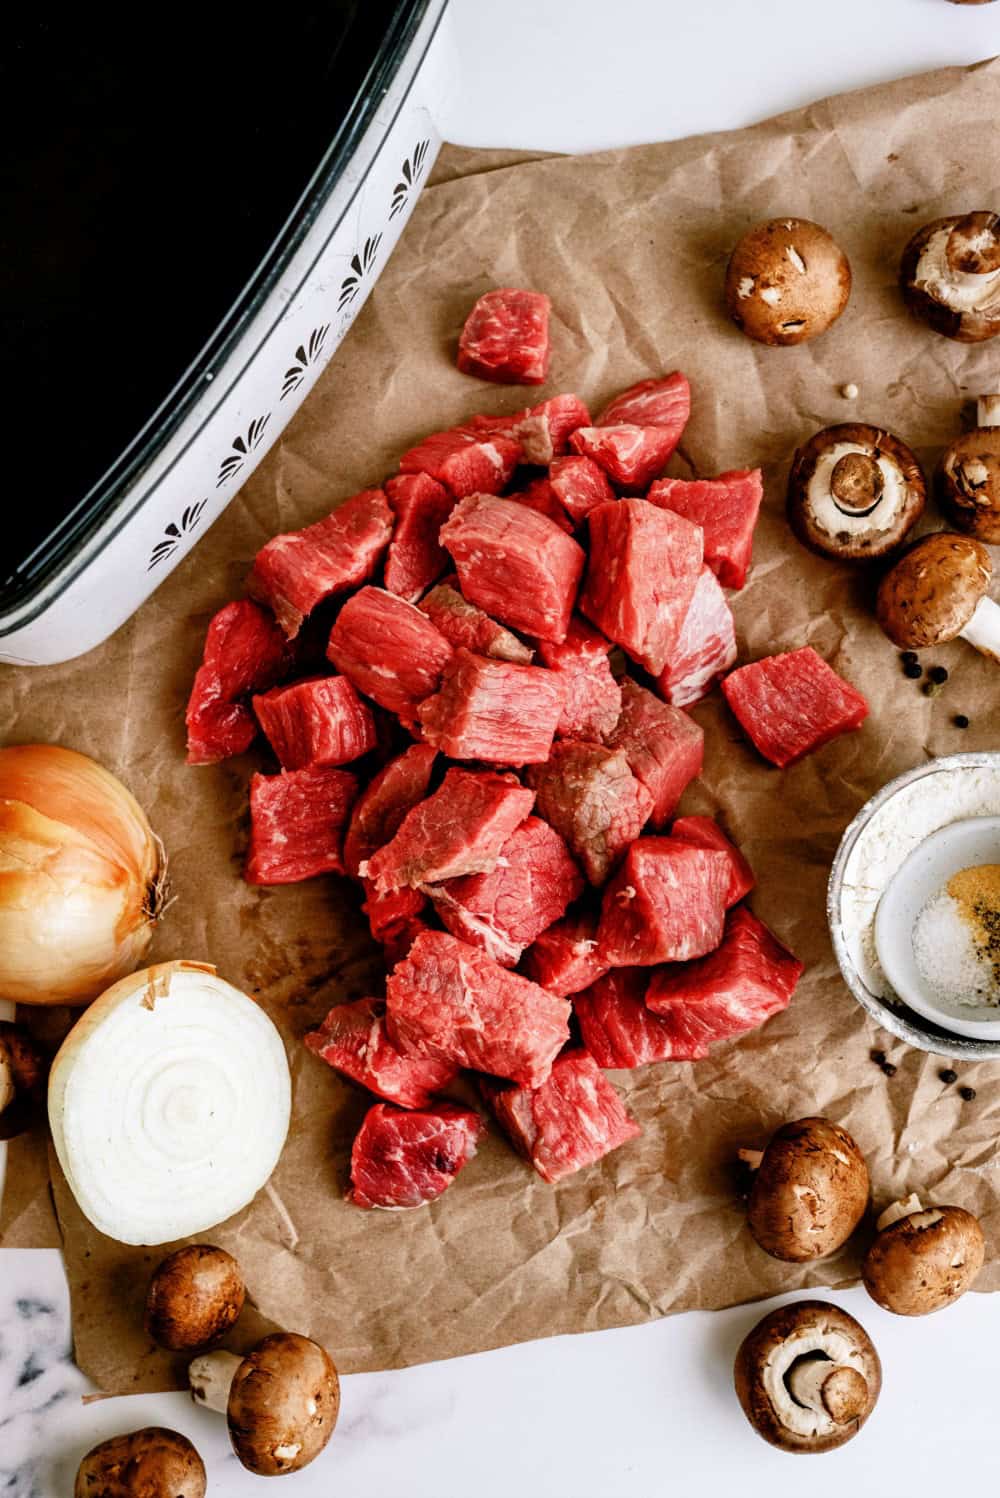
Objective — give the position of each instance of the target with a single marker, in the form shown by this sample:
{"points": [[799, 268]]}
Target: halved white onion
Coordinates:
{"points": [[169, 1103]]}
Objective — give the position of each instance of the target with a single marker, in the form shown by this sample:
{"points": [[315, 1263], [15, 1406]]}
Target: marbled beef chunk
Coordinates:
{"points": [[416, 558], [667, 903], [297, 824], [564, 958], [506, 337], [494, 711], [705, 832], [726, 508], [663, 746], [406, 1158], [295, 572], [592, 696], [595, 803], [466, 627], [466, 460], [706, 646], [389, 650], [788, 705], [460, 829], [245, 651], [319, 721], [353, 1039], [515, 563], [379, 810], [572, 1120], [735, 989], [450, 1002]]}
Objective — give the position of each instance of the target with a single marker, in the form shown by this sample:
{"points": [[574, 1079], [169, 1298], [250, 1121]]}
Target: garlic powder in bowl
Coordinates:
{"points": [[888, 828], [956, 938]]}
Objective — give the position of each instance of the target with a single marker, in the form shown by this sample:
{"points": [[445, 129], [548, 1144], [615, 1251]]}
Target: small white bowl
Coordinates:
{"points": [[974, 840]]}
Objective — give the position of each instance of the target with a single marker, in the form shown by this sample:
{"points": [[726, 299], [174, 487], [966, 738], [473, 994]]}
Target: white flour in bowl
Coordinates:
{"points": [[920, 808]]}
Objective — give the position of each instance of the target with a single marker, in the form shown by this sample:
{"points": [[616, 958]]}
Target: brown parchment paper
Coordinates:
{"points": [[631, 247]]}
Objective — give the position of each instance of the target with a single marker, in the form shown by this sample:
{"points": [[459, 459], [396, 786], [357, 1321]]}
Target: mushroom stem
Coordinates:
{"points": [[903, 1208], [7, 1088], [988, 411], [834, 1389], [750, 1158], [983, 629], [211, 1377]]}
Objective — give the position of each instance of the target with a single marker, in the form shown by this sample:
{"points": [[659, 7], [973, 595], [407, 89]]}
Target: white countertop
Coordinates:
{"points": [[648, 1410]]}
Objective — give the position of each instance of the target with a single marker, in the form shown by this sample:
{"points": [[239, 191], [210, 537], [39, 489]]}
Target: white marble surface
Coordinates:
{"points": [[648, 1410]]}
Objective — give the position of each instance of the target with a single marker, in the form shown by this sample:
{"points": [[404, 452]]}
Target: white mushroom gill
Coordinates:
{"points": [[828, 516], [801, 1419], [958, 290]]}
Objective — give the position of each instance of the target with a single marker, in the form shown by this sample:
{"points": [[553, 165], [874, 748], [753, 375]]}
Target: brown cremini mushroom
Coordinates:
{"points": [[807, 1377], [854, 492], [787, 281], [924, 1258], [950, 276], [149, 1463], [194, 1297], [809, 1192], [936, 592], [281, 1401], [22, 1080], [968, 478]]}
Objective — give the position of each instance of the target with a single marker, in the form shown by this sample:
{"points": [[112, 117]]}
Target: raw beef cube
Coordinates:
{"points": [[652, 403], [295, 572], [667, 903], [541, 497], [494, 711], [737, 988], [450, 1001], [788, 705], [245, 651], [382, 805], [319, 721], [617, 1028], [641, 578], [297, 823], [353, 1039], [595, 803], [663, 746], [564, 958], [389, 650], [465, 461], [515, 564], [416, 558], [726, 508], [572, 1120], [630, 455], [592, 699], [580, 486], [506, 337], [544, 431], [502, 912], [705, 832], [462, 624], [706, 647], [458, 830], [404, 1159], [393, 912]]}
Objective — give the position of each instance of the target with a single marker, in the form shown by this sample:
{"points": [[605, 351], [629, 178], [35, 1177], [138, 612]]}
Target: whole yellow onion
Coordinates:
{"points": [[82, 876]]}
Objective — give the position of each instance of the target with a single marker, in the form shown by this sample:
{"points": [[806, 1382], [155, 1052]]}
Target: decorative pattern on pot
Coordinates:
{"points": [[306, 354], [409, 173], [242, 447], [174, 534], [362, 262]]}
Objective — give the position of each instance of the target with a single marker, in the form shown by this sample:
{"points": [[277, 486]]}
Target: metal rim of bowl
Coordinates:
{"points": [[899, 1020]]}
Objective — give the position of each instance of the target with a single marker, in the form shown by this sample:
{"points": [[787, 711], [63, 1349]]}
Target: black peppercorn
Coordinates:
{"points": [[947, 1076], [878, 1057], [967, 1094], [889, 1069], [960, 720], [938, 674], [908, 656], [913, 670]]}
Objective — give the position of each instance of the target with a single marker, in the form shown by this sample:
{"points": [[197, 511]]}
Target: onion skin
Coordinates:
{"points": [[81, 882]]}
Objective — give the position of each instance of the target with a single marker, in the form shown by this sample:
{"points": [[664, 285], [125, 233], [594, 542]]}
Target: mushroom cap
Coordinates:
{"points": [[787, 280], [806, 1329], [194, 1297], [925, 1261], [931, 593], [283, 1404], [150, 1463], [809, 1192], [960, 236], [854, 492], [968, 484]]}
